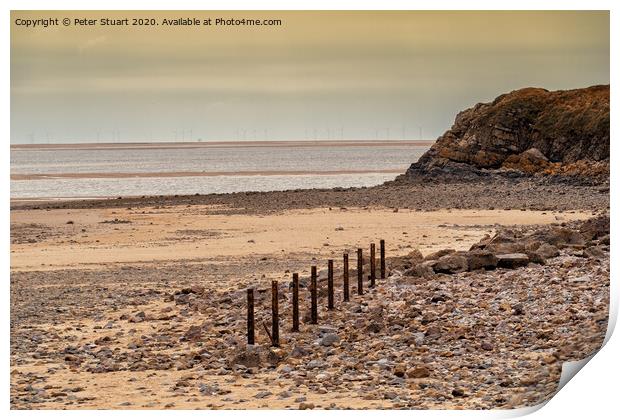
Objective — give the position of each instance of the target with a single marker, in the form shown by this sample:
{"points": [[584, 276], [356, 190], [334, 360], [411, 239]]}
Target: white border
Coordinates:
{"points": [[592, 394]]}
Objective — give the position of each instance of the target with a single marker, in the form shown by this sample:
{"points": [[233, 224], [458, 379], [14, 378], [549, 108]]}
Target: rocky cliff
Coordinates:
{"points": [[526, 132]]}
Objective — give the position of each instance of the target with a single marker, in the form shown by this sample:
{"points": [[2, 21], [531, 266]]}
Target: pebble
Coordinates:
{"points": [[263, 394], [330, 339]]}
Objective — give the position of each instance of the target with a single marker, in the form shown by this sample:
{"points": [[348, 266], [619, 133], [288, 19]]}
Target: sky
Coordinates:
{"points": [[319, 75]]}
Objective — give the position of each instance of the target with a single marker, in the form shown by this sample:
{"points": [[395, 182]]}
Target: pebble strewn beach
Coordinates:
{"points": [[150, 311]]}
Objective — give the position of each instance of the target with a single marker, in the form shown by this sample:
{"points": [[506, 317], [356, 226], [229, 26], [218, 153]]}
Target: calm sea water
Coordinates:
{"points": [[367, 158]]}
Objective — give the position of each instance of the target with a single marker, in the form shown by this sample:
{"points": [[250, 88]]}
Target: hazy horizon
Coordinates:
{"points": [[320, 76]]}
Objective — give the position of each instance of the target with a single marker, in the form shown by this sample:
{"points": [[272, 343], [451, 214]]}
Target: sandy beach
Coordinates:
{"points": [[142, 306], [48, 240]]}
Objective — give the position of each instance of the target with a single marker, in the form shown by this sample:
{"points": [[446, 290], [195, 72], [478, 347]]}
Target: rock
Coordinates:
{"points": [[440, 297], [248, 356], [531, 161], [275, 355], [262, 394], [433, 332], [547, 251], [194, 333], [439, 254], [322, 377], [415, 256], [450, 264], [306, 406], [522, 130], [313, 364], [517, 309], [330, 339], [419, 338], [419, 372], [486, 345], [457, 393], [374, 327], [209, 389], [299, 351], [390, 395], [535, 257], [512, 260], [561, 237], [595, 252], [400, 370], [424, 270], [135, 343], [139, 317], [581, 279], [182, 299], [478, 259], [285, 369], [506, 247], [595, 228]]}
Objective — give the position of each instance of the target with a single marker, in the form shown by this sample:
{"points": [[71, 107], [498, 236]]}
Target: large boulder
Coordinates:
{"points": [[512, 260], [531, 130], [548, 251], [406, 262], [450, 264], [438, 254], [595, 228], [478, 259], [423, 269], [560, 237]]}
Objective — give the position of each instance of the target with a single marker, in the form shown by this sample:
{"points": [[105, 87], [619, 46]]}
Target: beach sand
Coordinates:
{"points": [[100, 318], [77, 238]]}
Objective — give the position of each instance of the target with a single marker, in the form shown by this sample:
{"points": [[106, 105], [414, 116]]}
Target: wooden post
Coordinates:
{"points": [[330, 284], [360, 272], [345, 276], [382, 255], [251, 316], [372, 265], [295, 302], [275, 327], [314, 311]]}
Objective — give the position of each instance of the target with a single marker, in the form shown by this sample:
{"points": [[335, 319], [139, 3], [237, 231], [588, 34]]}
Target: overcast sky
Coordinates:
{"points": [[350, 75]]}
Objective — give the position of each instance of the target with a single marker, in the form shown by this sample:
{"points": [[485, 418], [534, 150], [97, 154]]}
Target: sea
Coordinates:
{"points": [[113, 170]]}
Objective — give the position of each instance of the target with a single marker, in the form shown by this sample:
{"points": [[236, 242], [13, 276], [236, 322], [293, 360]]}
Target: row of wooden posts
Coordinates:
{"points": [[314, 316]]}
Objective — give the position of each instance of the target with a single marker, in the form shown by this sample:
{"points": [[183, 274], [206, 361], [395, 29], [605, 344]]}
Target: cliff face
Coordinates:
{"points": [[525, 132]]}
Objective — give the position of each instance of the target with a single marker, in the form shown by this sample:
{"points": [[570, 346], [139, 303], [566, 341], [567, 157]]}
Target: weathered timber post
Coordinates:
{"points": [[314, 311], [295, 302], [372, 265], [275, 327], [345, 276], [330, 284], [360, 272], [251, 316], [382, 256]]}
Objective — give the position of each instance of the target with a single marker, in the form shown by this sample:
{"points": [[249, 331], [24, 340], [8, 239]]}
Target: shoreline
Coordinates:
{"points": [[97, 175], [220, 144], [523, 194]]}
